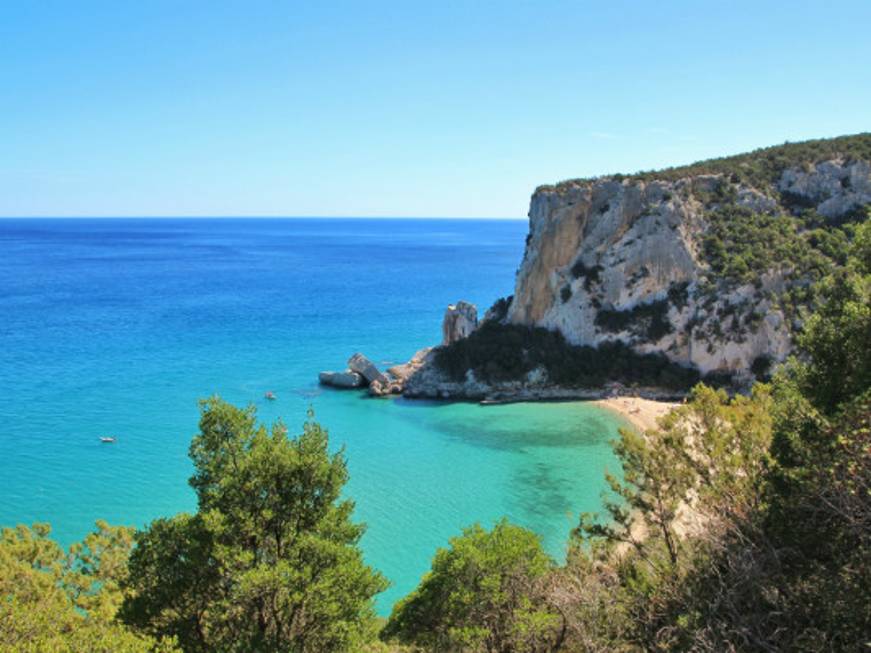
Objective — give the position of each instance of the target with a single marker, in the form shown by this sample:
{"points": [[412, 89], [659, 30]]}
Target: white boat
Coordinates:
{"points": [[107, 438]]}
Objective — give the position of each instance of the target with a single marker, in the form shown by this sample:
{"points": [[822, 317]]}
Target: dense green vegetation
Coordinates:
{"points": [[269, 562], [739, 524], [53, 600], [740, 245], [499, 310], [508, 352]]}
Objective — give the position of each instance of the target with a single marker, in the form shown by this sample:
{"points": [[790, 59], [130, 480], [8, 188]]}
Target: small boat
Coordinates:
{"points": [[271, 396], [107, 438]]}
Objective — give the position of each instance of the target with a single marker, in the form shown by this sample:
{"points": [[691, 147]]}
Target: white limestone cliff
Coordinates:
{"points": [[613, 246]]}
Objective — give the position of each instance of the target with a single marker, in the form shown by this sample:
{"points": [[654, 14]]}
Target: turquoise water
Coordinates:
{"points": [[119, 326]]}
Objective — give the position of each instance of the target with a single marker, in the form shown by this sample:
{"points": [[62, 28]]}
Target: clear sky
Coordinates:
{"points": [[400, 109]]}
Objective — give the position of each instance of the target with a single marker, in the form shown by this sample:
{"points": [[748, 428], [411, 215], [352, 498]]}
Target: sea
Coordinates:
{"points": [[119, 326]]}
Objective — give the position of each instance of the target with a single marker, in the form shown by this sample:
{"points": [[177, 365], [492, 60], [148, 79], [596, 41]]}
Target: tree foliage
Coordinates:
{"points": [[740, 245], [484, 593], [53, 601], [837, 338], [712, 449], [270, 561]]}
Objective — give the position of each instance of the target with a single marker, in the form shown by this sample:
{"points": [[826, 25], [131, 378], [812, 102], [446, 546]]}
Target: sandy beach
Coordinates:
{"points": [[642, 413]]}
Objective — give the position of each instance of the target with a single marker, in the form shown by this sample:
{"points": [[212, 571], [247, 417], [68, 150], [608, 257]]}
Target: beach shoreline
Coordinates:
{"points": [[642, 413]]}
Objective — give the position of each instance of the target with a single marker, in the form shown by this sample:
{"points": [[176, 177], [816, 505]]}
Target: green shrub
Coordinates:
{"points": [[482, 594], [499, 310]]}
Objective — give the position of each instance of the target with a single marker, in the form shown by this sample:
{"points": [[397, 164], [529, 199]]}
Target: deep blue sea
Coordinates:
{"points": [[119, 326]]}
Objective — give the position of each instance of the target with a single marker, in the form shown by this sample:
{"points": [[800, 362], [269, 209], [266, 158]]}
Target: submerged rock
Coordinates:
{"points": [[346, 379], [459, 322]]}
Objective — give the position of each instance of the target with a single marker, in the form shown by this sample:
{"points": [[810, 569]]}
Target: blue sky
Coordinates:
{"points": [[400, 109]]}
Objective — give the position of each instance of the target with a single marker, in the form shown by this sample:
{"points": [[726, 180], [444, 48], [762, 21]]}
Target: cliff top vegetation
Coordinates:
{"points": [[760, 168]]}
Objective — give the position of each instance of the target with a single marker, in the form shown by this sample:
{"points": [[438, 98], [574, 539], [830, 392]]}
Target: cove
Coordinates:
{"points": [[119, 326]]}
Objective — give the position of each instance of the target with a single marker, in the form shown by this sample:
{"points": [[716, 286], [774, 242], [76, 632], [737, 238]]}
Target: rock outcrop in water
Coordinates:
{"points": [[459, 322], [346, 379], [364, 367], [361, 372]]}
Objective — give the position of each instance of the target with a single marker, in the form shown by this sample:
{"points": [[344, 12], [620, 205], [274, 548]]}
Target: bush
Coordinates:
{"points": [[56, 600], [761, 366], [483, 594]]}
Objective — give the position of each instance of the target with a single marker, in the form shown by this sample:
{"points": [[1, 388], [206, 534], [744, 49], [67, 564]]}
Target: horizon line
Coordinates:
{"points": [[256, 217]]}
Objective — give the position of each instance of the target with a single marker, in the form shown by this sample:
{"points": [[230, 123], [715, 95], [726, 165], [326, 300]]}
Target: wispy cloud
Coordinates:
{"points": [[603, 136]]}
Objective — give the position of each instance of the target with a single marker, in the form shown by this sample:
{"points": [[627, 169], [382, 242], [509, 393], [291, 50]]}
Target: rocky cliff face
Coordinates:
{"points": [[633, 260]]}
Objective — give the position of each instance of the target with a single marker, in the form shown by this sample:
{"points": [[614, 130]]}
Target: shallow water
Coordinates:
{"points": [[119, 326]]}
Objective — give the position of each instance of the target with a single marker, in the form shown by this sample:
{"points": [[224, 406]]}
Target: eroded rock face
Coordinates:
{"points": [[459, 321], [613, 259], [364, 367], [833, 187], [346, 379]]}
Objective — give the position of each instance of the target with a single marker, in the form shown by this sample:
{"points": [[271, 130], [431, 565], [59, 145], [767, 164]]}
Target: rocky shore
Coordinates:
{"points": [[460, 320], [421, 378]]}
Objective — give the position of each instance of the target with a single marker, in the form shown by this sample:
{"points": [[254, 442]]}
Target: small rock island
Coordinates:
{"points": [[460, 320]]}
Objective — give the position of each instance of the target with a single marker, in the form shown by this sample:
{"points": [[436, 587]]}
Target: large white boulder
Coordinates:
{"points": [[346, 379]]}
